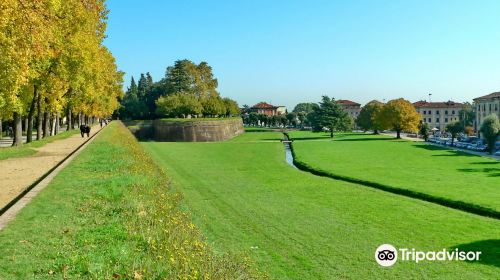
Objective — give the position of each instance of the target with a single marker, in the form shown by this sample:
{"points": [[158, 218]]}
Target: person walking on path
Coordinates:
{"points": [[87, 130], [83, 130]]}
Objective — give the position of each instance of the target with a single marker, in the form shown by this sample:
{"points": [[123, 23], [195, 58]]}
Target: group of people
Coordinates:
{"points": [[85, 129]]}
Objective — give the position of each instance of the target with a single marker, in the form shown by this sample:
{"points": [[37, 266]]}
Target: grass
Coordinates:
{"points": [[198, 119], [28, 149], [413, 166], [111, 214], [258, 135], [295, 225]]}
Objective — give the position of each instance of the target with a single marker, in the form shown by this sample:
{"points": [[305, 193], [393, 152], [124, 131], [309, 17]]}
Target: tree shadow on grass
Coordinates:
{"points": [[488, 167], [447, 151], [490, 251], [489, 171], [312, 138], [365, 139]]}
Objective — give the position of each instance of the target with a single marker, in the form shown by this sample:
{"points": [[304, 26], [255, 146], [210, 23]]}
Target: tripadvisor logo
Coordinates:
{"points": [[387, 255]]}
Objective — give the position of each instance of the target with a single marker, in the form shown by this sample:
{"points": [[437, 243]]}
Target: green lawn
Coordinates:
{"points": [[198, 119], [413, 166], [110, 214], [295, 225], [28, 148], [258, 135]]}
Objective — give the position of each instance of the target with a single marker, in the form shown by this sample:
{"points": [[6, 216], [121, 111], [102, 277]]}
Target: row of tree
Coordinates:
{"points": [[188, 89], [54, 63]]}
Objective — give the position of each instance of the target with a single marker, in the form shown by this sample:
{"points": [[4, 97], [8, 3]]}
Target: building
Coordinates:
{"points": [[352, 108], [438, 114], [268, 109], [484, 106]]}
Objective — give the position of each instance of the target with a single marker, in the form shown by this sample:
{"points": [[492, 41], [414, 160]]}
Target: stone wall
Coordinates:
{"points": [[196, 131]]}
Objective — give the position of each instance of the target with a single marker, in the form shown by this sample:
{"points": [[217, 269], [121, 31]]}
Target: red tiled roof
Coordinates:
{"points": [[347, 102], [491, 95], [263, 105], [447, 104]]}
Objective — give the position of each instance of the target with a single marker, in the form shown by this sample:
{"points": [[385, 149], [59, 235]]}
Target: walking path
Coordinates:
{"points": [[17, 174], [6, 141]]}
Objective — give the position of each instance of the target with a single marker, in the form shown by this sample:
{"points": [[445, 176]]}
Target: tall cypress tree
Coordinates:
{"points": [[142, 87]]}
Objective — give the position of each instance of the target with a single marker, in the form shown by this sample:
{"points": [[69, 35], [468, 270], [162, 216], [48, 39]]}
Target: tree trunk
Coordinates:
{"points": [[29, 132], [25, 131], [56, 129], [1, 130], [18, 130], [39, 118], [331, 132], [46, 124], [53, 124], [375, 131], [398, 134], [69, 121]]}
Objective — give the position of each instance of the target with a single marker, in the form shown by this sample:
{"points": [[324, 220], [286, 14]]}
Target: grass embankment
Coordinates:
{"points": [[110, 214], [441, 175], [28, 149], [295, 225]]}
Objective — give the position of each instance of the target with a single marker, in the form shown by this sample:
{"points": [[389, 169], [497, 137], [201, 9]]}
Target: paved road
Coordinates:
{"points": [[482, 154]]}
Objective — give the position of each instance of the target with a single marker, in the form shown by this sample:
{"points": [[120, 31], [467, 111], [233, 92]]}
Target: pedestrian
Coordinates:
{"points": [[100, 122], [83, 129], [87, 130]]}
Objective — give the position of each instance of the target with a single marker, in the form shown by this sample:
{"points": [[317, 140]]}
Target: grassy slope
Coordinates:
{"points": [[296, 225], [27, 149], [408, 165], [109, 214]]}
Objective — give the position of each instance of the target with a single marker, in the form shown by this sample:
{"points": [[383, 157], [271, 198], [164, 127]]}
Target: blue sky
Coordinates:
{"points": [[285, 52]]}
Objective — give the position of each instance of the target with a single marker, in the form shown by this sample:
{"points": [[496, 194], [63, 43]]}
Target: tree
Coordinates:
{"points": [[490, 130], [466, 115], [178, 104], [369, 116], [469, 130], [399, 115], [212, 104], [454, 128], [292, 119], [424, 130], [253, 118], [304, 107], [231, 107], [331, 115], [142, 88]]}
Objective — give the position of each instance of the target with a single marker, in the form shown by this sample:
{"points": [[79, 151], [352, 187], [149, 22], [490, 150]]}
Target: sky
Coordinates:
{"points": [[286, 52]]}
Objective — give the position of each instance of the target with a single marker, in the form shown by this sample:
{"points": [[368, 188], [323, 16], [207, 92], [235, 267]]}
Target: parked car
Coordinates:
{"points": [[497, 153]]}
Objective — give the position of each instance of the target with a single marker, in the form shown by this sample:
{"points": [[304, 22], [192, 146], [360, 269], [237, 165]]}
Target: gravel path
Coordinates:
{"points": [[19, 173]]}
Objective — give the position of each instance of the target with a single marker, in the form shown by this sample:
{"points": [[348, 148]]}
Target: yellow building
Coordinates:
{"points": [[438, 114], [486, 105]]}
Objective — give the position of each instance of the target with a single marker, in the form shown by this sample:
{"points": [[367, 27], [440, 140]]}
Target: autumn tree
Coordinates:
{"points": [[369, 116], [53, 60], [399, 115]]}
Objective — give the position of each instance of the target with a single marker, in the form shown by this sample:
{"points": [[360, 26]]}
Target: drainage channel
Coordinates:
{"points": [[457, 205], [288, 150]]}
